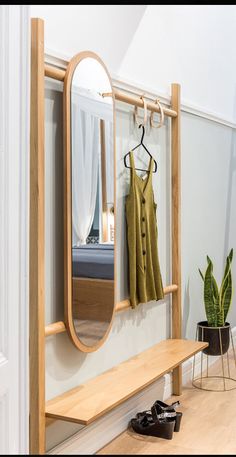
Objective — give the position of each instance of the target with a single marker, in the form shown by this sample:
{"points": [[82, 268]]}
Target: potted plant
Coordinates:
{"points": [[216, 331]]}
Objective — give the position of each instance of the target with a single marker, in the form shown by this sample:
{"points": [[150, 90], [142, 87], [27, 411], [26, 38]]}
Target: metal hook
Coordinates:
{"points": [[141, 125]]}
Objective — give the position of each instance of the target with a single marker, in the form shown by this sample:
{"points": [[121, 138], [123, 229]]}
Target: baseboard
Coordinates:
{"points": [[95, 436]]}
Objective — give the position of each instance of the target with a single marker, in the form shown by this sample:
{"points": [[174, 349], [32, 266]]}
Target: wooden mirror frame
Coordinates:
{"points": [[74, 62]]}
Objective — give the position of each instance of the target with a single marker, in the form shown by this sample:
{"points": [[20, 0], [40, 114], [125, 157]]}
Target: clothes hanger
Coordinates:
{"points": [[141, 144]]}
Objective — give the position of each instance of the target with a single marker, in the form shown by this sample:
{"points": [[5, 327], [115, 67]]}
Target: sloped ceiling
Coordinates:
{"points": [[105, 29]]}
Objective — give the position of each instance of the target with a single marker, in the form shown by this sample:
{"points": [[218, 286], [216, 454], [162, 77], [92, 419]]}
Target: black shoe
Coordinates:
{"points": [[161, 410], [148, 425]]}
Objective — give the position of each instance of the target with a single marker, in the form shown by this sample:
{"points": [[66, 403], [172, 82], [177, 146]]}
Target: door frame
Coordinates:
{"points": [[14, 223]]}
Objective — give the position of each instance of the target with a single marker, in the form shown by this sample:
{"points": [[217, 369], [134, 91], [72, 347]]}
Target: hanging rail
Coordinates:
{"points": [[59, 75], [59, 327]]}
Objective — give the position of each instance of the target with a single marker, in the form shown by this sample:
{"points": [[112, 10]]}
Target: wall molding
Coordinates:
{"points": [[24, 178], [133, 87], [92, 438], [14, 230]]}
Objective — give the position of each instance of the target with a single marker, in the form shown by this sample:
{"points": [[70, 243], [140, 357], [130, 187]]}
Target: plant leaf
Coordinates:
{"points": [[225, 280], [227, 296], [215, 288], [228, 263], [209, 261], [209, 296], [219, 312], [201, 274], [231, 255]]}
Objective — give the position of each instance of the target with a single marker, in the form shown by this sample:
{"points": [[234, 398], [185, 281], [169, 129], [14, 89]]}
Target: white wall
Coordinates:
{"points": [[167, 43], [208, 220]]}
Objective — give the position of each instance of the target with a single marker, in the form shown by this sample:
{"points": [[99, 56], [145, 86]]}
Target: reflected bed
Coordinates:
{"points": [[92, 282], [93, 261]]}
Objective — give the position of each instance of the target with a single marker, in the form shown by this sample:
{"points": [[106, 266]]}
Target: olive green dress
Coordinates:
{"points": [[145, 280]]}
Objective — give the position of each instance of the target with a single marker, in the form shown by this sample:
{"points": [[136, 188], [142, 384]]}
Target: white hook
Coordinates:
{"points": [[160, 124], [145, 112]]}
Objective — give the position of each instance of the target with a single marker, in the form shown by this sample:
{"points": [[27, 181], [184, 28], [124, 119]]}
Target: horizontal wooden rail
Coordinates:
{"points": [[54, 72], [59, 327], [53, 329], [59, 74], [135, 100], [125, 304]]}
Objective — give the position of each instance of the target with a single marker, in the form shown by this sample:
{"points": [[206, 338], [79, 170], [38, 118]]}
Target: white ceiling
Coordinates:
{"points": [[105, 29]]}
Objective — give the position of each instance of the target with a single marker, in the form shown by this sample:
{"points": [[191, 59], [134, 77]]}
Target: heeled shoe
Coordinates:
{"points": [[148, 425], [163, 410]]}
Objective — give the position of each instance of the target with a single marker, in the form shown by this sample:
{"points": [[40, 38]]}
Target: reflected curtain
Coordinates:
{"points": [[85, 155], [109, 161]]}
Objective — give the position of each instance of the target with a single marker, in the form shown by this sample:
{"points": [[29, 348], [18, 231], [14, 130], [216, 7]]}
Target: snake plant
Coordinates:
{"points": [[217, 301]]}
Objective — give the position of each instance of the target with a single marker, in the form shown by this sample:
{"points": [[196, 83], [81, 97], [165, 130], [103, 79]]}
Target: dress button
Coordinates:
{"points": [[143, 235], [144, 252], [143, 219], [143, 200]]}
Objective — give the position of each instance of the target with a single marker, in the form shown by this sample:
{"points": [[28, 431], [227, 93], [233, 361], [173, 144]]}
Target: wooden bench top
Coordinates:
{"points": [[99, 395]]}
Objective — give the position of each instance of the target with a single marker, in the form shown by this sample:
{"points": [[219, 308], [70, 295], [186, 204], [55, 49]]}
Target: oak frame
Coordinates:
{"points": [[67, 213]]}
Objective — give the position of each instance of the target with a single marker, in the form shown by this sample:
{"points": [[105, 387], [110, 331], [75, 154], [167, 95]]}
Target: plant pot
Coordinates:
{"points": [[217, 337]]}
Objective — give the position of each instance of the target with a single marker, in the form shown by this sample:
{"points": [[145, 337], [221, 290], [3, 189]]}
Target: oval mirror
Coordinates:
{"points": [[89, 209]]}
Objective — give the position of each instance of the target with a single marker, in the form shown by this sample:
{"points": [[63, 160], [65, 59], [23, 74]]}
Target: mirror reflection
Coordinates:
{"points": [[92, 176]]}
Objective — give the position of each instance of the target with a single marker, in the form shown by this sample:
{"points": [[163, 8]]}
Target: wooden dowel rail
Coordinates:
{"points": [[56, 327], [59, 75], [135, 100], [54, 72], [59, 327]]}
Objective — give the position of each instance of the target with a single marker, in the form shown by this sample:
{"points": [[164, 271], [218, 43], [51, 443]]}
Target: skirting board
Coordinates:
{"points": [[88, 440]]}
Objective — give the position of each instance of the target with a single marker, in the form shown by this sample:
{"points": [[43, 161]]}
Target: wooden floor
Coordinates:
{"points": [[208, 427]]}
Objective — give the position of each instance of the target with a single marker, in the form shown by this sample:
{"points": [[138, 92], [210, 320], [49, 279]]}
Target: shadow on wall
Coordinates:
{"points": [[230, 219], [137, 315], [232, 168]]}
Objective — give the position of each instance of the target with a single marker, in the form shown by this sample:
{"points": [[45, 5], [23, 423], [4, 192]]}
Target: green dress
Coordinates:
{"points": [[145, 280]]}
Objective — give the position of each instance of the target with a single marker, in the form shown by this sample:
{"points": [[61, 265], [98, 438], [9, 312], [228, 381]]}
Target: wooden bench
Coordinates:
{"points": [[94, 398]]}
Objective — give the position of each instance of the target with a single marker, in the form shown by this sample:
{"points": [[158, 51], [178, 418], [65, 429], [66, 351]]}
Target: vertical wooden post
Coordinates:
{"points": [[176, 229], [36, 317]]}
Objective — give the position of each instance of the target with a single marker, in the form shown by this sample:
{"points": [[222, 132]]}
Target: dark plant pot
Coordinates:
{"points": [[217, 337]]}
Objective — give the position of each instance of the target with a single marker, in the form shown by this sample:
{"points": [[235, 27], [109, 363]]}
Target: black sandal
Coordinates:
{"points": [[163, 410], [151, 425]]}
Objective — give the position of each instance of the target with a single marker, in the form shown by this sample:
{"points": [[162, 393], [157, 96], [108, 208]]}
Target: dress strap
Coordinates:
{"points": [[150, 168], [132, 165], [132, 159]]}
